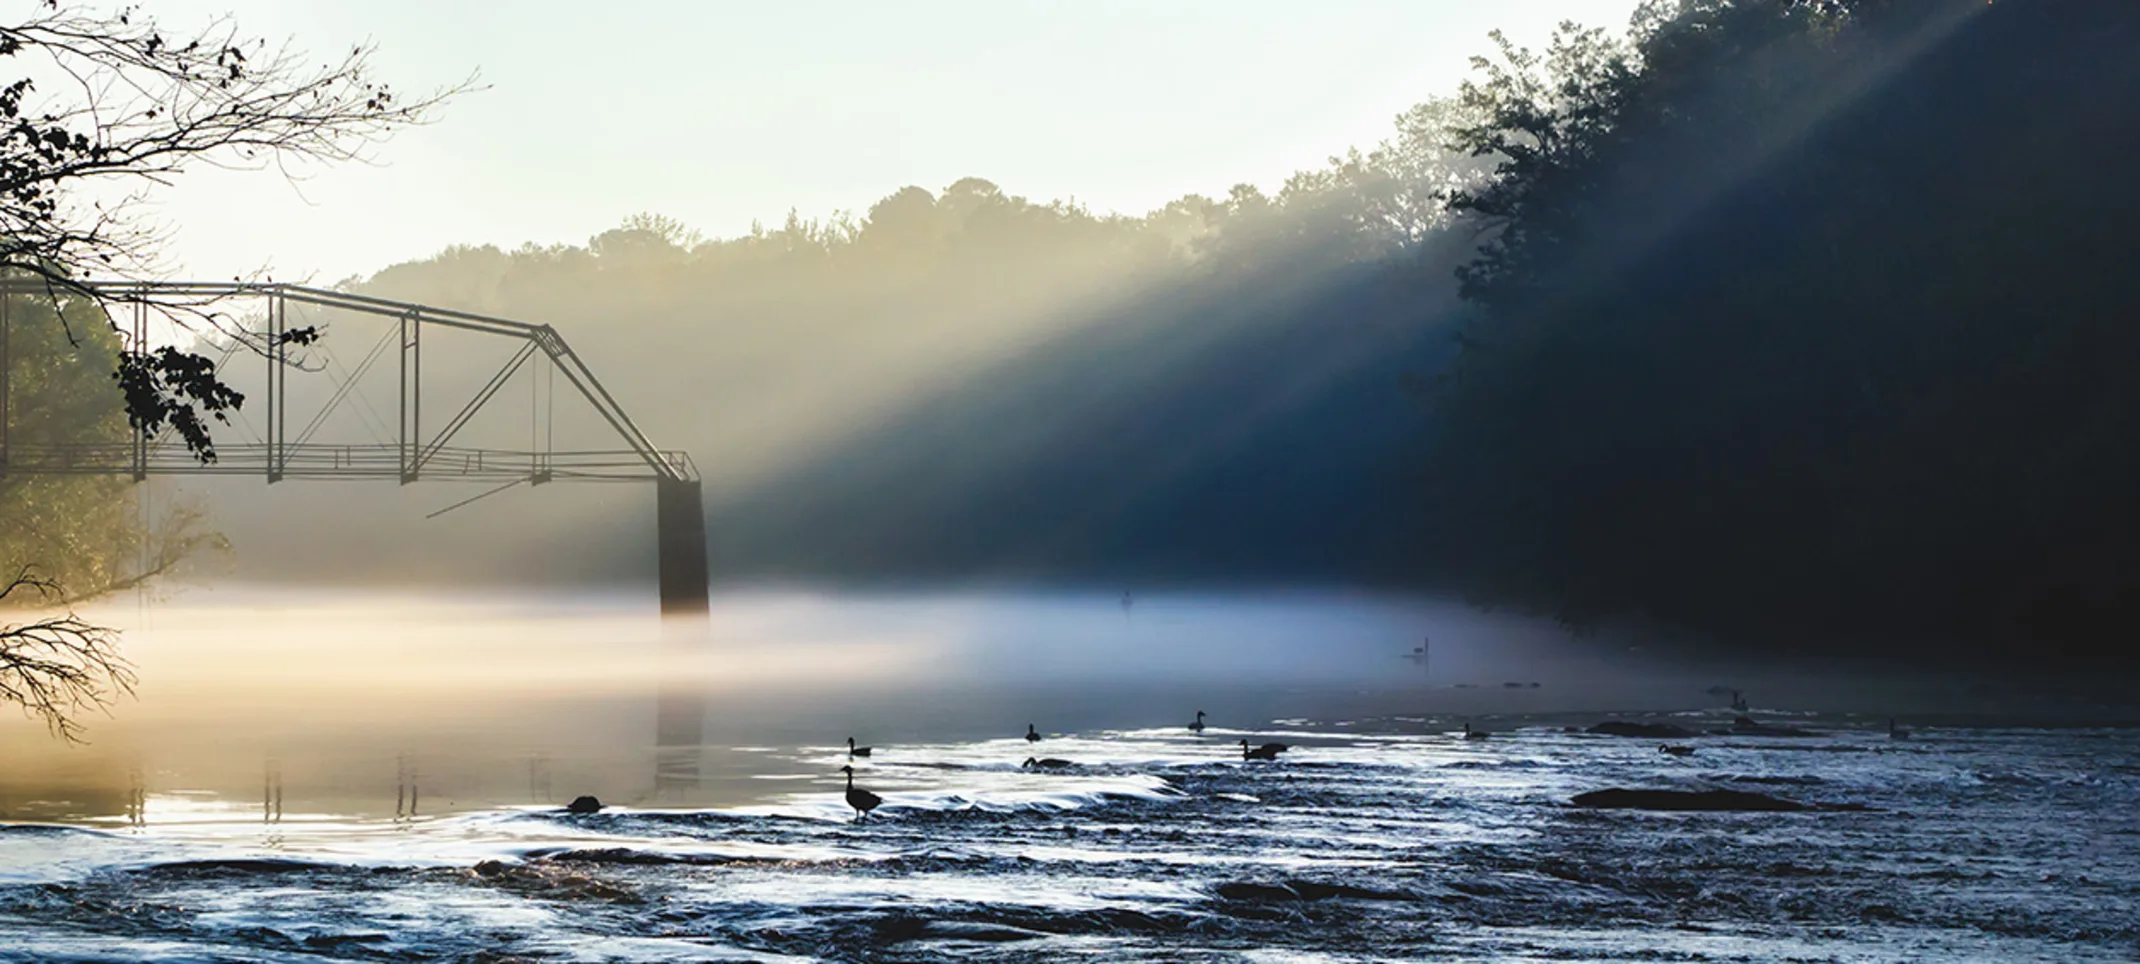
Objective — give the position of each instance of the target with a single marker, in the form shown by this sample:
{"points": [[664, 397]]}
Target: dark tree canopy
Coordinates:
{"points": [[1811, 322]]}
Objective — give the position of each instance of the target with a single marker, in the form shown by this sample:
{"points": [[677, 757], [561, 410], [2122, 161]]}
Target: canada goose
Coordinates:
{"points": [[1031, 735], [1675, 750], [1738, 701], [862, 800], [855, 751], [1046, 763], [1268, 751], [1471, 734], [1896, 732], [1198, 726]]}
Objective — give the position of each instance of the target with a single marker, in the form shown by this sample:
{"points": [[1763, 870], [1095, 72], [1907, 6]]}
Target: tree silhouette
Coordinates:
{"points": [[1802, 322], [109, 106], [59, 667]]}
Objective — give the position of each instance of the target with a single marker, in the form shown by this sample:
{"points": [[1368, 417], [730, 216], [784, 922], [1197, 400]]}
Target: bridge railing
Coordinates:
{"points": [[339, 461]]}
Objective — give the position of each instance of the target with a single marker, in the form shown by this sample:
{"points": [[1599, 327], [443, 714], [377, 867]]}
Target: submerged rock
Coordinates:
{"points": [[1647, 731], [1619, 798], [1745, 726], [1306, 890], [584, 804]]}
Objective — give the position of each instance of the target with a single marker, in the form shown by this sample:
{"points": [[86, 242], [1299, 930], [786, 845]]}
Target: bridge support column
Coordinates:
{"points": [[680, 713]]}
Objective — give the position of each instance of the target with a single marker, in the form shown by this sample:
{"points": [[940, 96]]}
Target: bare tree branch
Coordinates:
{"points": [[59, 668], [106, 100]]}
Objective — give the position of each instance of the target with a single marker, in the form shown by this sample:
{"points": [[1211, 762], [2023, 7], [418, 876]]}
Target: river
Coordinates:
{"points": [[235, 814]]}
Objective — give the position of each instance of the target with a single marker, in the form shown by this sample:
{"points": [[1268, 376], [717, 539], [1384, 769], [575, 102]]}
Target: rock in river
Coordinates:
{"points": [[1647, 731], [1619, 798]]}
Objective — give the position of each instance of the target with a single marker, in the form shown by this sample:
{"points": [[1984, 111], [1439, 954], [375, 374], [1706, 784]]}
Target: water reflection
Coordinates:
{"points": [[408, 705], [680, 707]]}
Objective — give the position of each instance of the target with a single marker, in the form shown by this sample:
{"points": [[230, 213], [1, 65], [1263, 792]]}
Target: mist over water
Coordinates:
{"points": [[530, 698], [337, 686], [354, 774]]}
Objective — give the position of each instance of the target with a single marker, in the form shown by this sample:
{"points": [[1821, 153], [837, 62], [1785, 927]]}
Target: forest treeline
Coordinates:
{"points": [[1802, 323], [91, 534], [1812, 324], [965, 384]]}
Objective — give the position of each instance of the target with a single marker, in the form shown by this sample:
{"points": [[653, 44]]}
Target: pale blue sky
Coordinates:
{"points": [[717, 113]]}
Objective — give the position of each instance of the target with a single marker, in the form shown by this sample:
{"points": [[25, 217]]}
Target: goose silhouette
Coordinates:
{"points": [[1268, 751], [855, 751], [862, 800], [1031, 735], [1198, 726]]}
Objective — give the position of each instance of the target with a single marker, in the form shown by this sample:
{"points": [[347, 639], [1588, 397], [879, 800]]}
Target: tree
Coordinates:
{"points": [[59, 667], [107, 107], [1802, 322], [90, 533]]}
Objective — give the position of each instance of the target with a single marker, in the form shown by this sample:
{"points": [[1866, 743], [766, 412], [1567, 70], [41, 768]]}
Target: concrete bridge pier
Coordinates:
{"points": [[680, 709]]}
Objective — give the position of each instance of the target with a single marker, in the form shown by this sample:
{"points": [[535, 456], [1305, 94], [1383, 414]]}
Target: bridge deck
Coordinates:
{"points": [[336, 461]]}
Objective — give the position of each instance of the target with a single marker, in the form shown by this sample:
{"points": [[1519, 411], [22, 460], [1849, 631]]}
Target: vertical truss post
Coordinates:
{"points": [[412, 377], [279, 457], [141, 344], [278, 389], [541, 421]]}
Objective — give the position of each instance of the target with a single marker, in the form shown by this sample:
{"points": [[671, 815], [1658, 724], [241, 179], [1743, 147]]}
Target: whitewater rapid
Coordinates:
{"points": [[1385, 838]]}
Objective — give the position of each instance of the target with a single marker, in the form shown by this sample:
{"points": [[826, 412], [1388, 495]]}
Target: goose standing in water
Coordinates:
{"points": [[862, 800], [1268, 751], [1471, 734], [1046, 763], [1198, 726], [1896, 732], [1031, 735], [855, 751]]}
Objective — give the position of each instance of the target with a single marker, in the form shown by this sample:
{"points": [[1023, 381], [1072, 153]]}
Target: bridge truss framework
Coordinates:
{"points": [[413, 455]]}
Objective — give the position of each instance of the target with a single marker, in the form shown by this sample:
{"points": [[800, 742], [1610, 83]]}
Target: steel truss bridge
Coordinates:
{"points": [[414, 454], [411, 457]]}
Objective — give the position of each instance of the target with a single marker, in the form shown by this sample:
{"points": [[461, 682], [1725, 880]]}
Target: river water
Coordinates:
{"points": [[1381, 834]]}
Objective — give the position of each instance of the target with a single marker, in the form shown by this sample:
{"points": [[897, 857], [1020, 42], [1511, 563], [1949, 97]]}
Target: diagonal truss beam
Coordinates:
{"points": [[468, 411]]}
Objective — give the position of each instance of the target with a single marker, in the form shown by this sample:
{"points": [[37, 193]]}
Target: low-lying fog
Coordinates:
{"points": [[509, 699]]}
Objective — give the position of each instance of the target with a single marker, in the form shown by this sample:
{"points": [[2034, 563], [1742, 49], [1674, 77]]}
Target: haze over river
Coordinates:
{"points": [[371, 777]]}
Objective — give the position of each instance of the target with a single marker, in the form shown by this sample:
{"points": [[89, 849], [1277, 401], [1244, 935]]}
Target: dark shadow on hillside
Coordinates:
{"points": [[1230, 431]]}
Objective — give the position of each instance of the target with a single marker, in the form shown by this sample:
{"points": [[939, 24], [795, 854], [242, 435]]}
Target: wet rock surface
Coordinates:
{"points": [[1619, 798], [1646, 731]]}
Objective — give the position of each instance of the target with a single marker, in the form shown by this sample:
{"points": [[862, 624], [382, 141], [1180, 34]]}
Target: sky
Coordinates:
{"points": [[721, 113]]}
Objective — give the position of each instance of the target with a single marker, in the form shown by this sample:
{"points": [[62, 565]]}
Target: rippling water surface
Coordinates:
{"points": [[364, 777], [1373, 839]]}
